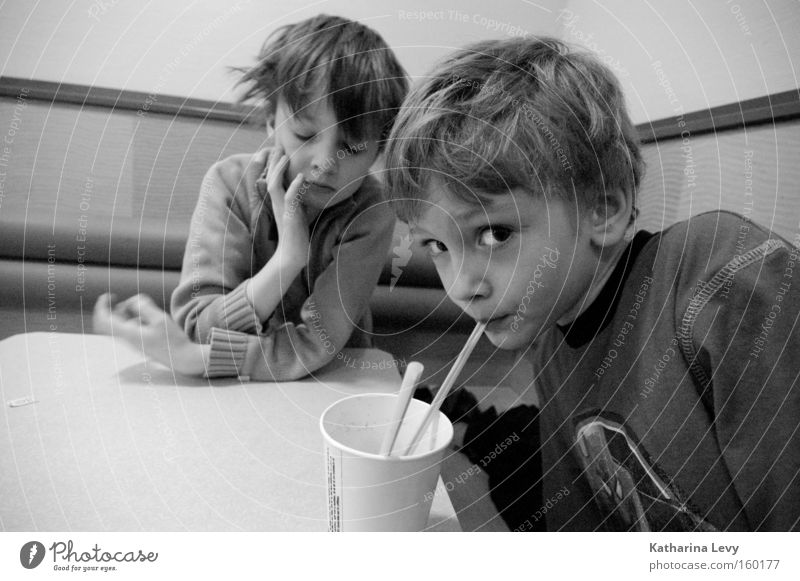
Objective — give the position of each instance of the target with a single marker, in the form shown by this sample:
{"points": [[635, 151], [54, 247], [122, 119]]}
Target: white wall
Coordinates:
{"points": [[183, 48], [710, 52], [690, 55]]}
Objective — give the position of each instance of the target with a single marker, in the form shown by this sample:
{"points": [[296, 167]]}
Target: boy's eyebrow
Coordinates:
{"points": [[414, 230], [488, 207], [469, 213]]}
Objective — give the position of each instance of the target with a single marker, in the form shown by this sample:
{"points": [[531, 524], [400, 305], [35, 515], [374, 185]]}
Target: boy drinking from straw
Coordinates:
{"points": [[665, 403], [286, 245]]}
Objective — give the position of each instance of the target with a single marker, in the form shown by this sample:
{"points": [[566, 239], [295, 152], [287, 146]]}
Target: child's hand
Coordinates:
{"points": [[146, 327], [290, 216]]}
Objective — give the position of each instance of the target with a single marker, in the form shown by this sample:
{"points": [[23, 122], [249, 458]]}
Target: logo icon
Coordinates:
{"points": [[402, 254], [31, 554]]}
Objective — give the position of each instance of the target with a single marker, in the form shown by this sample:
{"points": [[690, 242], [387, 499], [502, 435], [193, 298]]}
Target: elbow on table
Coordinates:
{"points": [[190, 318], [290, 368]]}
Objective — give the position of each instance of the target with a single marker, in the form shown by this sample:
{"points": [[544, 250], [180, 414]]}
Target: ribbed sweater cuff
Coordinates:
{"points": [[239, 313], [228, 352]]}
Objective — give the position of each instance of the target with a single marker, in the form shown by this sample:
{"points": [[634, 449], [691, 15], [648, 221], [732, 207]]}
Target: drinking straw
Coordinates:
{"points": [[433, 410], [410, 379]]}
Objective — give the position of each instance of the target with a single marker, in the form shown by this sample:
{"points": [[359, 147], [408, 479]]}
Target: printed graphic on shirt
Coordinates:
{"points": [[627, 487]]}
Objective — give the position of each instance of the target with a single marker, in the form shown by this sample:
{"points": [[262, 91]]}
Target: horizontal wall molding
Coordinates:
{"points": [[775, 108], [136, 101], [778, 107]]}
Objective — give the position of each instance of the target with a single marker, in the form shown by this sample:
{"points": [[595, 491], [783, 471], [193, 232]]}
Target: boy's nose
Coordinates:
{"points": [[324, 158], [468, 283]]}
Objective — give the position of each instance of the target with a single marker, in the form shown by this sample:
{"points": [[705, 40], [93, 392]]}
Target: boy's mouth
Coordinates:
{"points": [[496, 323], [317, 186]]}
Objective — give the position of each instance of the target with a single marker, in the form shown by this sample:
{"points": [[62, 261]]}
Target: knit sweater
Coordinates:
{"points": [[232, 236], [673, 402]]}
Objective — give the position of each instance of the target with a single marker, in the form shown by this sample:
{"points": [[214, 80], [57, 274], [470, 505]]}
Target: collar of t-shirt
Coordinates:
{"points": [[599, 314]]}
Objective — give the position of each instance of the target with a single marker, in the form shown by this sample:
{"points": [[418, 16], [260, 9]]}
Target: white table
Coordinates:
{"points": [[113, 443]]}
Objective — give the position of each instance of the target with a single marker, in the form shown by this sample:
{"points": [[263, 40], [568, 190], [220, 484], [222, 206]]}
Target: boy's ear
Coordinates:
{"points": [[611, 218]]}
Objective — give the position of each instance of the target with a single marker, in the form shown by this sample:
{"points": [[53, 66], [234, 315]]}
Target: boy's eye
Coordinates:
{"points": [[303, 137], [434, 247], [494, 236]]}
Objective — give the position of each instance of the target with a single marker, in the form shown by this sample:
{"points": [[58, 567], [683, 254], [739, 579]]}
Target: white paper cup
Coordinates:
{"points": [[370, 492]]}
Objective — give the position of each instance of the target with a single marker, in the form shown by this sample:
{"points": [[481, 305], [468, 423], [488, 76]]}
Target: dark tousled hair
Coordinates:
{"points": [[531, 113], [333, 57]]}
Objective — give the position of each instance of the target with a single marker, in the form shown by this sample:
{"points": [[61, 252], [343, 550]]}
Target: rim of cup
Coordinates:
{"points": [[370, 455]]}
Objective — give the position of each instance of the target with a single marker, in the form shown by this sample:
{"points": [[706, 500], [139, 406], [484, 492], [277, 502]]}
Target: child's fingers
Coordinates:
{"points": [[274, 158], [127, 309], [143, 308], [149, 312], [101, 319], [294, 196], [104, 302], [134, 332], [275, 175], [294, 192], [275, 187], [115, 318]]}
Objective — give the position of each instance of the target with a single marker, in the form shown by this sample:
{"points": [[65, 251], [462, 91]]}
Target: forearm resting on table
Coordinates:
{"points": [[192, 359], [266, 289]]}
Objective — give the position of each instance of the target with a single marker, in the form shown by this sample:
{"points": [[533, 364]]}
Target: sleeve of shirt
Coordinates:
{"points": [[743, 348], [218, 259], [340, 296]]}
